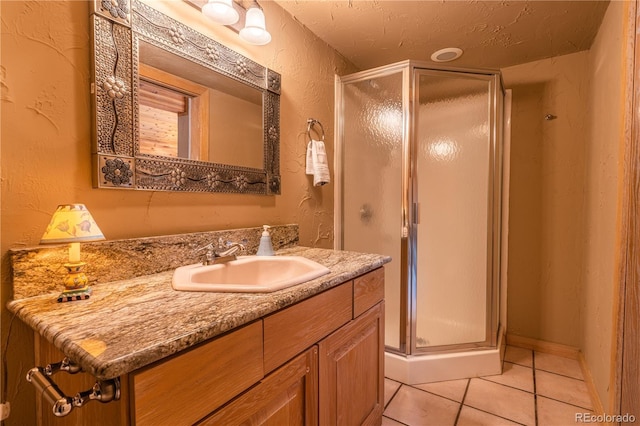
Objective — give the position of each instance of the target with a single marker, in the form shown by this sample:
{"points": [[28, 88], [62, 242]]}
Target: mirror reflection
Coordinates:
{"points": [[174, 110], [187, 111]]}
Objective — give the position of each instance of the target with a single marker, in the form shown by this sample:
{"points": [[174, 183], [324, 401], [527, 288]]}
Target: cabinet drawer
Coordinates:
{"points": [[292, 330], [367, 291], [186, 388]]}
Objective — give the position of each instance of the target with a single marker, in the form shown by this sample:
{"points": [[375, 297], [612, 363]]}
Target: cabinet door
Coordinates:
{"points": [[294, 329], [351, 372], [286, 397]]}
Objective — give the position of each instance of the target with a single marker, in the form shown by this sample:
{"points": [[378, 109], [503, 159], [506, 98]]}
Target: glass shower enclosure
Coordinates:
{"points": [[419, 178]]}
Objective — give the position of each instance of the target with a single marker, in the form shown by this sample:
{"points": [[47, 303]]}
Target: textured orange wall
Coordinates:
{"points": [[546, 211], [609, 67], [46, 125], [46, 143], [564, 195]]}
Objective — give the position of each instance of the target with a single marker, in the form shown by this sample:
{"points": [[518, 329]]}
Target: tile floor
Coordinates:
{"points": [[535, 389]]}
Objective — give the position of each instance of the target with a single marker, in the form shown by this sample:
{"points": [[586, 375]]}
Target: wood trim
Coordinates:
{"points": [[167, 79], [617, 337], [591, 386], [627, 371], [541, 346], [200, 127]]}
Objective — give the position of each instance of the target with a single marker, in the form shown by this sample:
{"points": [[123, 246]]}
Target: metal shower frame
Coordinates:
{"points": [[408, 293]]}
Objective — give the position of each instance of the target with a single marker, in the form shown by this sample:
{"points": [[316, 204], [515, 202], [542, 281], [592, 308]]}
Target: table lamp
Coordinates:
{"points": [[72, 223]]}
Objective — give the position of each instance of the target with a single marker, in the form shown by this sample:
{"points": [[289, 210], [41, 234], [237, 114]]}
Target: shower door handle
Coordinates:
{"points": [[366, 212], [415, 219]]}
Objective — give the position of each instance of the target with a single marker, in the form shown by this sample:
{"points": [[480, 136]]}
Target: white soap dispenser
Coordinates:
{"points": [[265, 248]]}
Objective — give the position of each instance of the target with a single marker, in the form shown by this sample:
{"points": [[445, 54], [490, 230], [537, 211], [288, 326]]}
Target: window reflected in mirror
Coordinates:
{"points": [[187, 111], [174, 115], [164, 121]]}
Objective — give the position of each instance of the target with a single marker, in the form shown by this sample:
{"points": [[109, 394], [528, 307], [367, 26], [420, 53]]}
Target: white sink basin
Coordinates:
{"points": [[248, 274]]}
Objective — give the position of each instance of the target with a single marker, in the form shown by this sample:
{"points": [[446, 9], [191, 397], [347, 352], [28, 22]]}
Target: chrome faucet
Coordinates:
{"points": [[223, 253]]}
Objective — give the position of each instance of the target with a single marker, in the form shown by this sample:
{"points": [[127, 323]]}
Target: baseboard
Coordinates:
{"points": [[566, 352], [588, 379], [541, 346]]}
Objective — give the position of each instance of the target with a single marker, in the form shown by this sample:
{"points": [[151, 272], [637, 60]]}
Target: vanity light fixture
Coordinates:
{"points": [[221, 12], [72, 223], [255, 30], [231, 13]]}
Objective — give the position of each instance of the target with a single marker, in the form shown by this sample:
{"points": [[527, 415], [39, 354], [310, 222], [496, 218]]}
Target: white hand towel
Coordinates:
{"points": [[317, 164], [309, 169]]}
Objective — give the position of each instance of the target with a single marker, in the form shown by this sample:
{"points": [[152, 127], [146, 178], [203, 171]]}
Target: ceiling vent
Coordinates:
{"points": [[446, 55]]}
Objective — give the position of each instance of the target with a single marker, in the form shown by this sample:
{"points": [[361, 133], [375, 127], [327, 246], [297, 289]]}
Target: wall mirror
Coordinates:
{"points": [[174, 110]]}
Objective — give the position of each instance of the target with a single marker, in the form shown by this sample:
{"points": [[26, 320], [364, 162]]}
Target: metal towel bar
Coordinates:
{"points": [[310, 123], [40, 378]]}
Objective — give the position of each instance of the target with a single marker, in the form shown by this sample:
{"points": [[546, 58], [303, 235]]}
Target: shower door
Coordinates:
{"points": [[369, 212], [454, 296], [417, 179]]}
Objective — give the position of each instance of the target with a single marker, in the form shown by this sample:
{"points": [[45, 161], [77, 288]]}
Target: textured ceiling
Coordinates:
{"points": [[493, 34]]}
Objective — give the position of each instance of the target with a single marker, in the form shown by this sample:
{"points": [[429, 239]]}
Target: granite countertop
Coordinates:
{"points": [[128, 324]]}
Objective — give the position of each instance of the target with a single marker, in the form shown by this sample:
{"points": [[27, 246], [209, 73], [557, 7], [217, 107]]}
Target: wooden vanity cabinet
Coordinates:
{"points": [[351, 368], [186, 387], [286, 397], [318, 362], [351, 360], [293, 329]]}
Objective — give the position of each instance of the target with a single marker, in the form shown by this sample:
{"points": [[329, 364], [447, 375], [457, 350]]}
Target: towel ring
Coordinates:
{"points": [[310, 123]]}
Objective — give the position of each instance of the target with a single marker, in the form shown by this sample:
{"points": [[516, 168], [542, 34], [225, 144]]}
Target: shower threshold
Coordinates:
{"points": [[428, 368]]}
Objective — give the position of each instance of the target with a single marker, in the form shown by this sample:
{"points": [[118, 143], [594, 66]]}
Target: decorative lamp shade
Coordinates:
{"points": [[255, 30], [71, 223], [221, 12]]}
